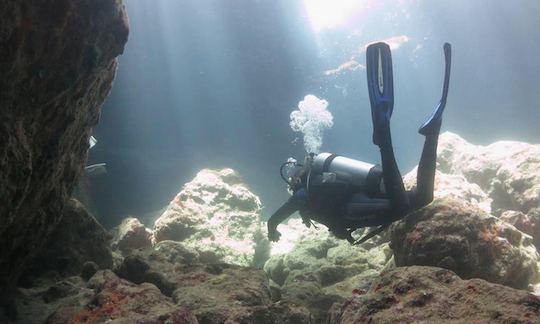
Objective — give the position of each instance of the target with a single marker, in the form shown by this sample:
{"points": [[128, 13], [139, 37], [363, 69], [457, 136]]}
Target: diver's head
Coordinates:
{"points": [[296, 177], [296, 173]]}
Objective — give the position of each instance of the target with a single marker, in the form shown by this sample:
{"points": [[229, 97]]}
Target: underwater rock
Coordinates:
{"points": [[215, 293], [38, 303], [130, 235], [453, 186], [216, 215], [89, 269], [527, 223], [57, 62], [457, 235], [222, 293], [148, 266], [293, 231], [320, 270], [508, 171], [433, 295], [77, 239], [121, 301]]}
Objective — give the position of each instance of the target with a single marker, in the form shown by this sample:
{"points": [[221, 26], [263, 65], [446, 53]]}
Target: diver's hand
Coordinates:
{"points": [[274, 235]]}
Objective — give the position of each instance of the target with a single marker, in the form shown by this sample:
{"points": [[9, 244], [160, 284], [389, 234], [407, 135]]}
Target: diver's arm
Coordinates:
{"points": [[281, 215]]}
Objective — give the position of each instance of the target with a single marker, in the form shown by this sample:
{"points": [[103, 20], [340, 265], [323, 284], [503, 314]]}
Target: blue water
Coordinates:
{"points": [[212, 83]]}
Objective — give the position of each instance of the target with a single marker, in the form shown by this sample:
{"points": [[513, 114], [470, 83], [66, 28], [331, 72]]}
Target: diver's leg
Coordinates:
{"points": [[393, 183], [430, 129], [381, 96], [425, 177], [364, 211]]}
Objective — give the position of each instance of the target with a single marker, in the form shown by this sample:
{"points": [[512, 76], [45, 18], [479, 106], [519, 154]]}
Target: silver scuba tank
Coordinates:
{"points": [[334, 167]]}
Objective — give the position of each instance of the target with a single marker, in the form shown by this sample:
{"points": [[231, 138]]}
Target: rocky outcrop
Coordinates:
{"points": [[78, 239], [131, 234], [57, 63], [453, 186], [104, 298], [39, 302], [527, 223], [215, 293], [459, 236], [121, 301], [433, 295], [216, 215], [507, 171], [315, 270]]}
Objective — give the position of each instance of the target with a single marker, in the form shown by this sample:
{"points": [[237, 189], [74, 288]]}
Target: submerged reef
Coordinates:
{"points": [[465, 257], [57, 62]]}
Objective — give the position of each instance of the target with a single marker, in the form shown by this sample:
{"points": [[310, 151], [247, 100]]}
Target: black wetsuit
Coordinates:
{"points": [[344, 208]]}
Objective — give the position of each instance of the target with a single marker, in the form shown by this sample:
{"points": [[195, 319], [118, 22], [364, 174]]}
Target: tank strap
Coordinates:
{"points": [[373, 180], [326, 164]]}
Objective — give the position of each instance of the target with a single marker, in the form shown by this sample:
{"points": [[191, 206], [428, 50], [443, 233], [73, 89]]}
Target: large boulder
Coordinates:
{"points": [[433, 295], [459, 236], [57, 62], [508, 171], [78, 239], [158, 266], [215, 214]]}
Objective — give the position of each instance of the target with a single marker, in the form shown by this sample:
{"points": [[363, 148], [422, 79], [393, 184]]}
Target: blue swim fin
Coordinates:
{"points": [[433, 124], [380, 86]]}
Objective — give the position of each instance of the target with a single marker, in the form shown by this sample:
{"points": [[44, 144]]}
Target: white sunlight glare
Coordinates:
{"points": [[331, 13]]}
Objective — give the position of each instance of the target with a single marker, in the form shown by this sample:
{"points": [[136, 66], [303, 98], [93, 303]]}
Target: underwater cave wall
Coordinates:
{"points": [[57, 64]]}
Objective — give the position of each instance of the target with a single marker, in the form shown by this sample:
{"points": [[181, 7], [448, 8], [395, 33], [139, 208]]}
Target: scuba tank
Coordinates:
{"points": [[334, 168]]}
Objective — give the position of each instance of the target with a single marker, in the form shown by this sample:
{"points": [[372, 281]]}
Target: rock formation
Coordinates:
{"points": [[527, 223], [77, 239], [311, 277], [459, 236], [214, 292], [454, 186], [216, 215], [507, 171], [106, 297], [131, 235], [57, 63], [320, 270], [433, 295]]}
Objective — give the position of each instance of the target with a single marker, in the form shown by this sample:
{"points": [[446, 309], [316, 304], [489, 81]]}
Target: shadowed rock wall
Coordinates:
{"points": [[57, 64]]}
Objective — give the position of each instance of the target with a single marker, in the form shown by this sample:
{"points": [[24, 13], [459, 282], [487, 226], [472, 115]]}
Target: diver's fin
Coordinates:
{"points": [[380, 86], [92, 141], [433, 123], [95, 169]]}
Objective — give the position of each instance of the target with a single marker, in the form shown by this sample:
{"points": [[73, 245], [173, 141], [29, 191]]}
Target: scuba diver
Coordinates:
{"points": [[345, 194]]}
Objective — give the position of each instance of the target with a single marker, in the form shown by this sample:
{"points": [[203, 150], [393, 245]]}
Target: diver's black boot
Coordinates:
{"points": [[381, 90], [432, 125]]}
